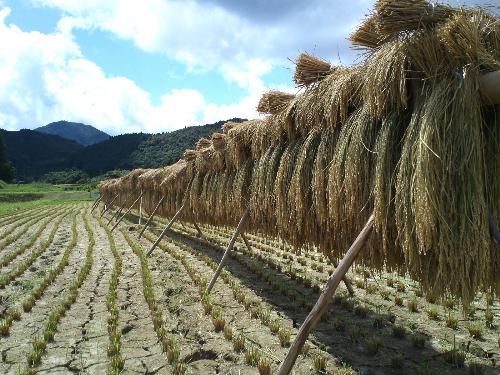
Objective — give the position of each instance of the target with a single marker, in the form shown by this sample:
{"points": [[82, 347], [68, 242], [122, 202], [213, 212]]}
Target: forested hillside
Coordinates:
{"points": [[167, 148], [35, 154]]}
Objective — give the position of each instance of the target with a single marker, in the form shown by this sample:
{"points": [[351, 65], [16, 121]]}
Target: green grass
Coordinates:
{"points": [[21, 197]]}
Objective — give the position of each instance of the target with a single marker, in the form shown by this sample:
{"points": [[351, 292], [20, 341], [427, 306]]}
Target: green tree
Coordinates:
{"points": [[7, 171]]}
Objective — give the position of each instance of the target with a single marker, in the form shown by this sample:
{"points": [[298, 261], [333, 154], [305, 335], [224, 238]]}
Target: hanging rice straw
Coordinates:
{"points": [[273, 102], [310, 69], [395, 16]]}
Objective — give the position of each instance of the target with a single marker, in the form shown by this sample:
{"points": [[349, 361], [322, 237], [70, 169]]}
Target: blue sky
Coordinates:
{"points": [[158, 65]]}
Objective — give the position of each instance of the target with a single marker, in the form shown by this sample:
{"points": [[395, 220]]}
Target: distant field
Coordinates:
{"points": [[14, 197], [78, 298]]}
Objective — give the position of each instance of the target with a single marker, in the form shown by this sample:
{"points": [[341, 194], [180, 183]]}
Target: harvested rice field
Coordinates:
{"points": [[77, 297]]}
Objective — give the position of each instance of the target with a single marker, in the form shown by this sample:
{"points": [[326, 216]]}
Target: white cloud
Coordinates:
{"points": [[45, 78], [212, 34]]}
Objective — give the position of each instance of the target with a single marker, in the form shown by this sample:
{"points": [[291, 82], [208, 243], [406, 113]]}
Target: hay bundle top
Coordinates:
{"points": [[405, 135]]}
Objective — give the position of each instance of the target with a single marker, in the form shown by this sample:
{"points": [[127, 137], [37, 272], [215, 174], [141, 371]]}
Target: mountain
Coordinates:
{"points": [[167, 148], [33, 153], [140, 150], [115, 153], [81, 133]]}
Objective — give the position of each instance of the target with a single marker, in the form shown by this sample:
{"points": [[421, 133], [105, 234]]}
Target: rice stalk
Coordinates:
{"points": [[310, 70]]}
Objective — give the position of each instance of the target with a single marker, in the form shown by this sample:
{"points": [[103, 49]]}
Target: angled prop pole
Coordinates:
{"points": [[109, 206], [116, 214], [200, 234], [230, 246], [151, 216], [126, 212], [245, 240], [140, 208], [325, 298], [162, 234], [96, 203], [344, 280]]}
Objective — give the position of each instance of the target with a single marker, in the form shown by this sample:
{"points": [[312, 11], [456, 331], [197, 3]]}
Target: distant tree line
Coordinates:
{"points": [[7, 171]]}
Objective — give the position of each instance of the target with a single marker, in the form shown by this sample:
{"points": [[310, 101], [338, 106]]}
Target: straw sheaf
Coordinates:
{"points": [[396, 16], [238, 143], [368, 35], [274, 102], [229, 125], [203, 143], [310, 70], [472, 37], [219, 142], [190, 155]]}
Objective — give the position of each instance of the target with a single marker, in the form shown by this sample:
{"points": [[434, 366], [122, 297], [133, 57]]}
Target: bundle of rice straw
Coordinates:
{"points": [[203, 143], [273, 102], [310, 69], [472, 37], [395, 16], [385, 88], [219, 141], [229, 125], [368, 34], [190, 155]]}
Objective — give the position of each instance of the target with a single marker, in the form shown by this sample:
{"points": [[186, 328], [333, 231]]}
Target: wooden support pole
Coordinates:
{"points": [[162, 234], [129, 209], [140, 208], [344, 280], [245, 240], [325, 298], [152, 215], [200, 234], [222, 262], [116, 214], [109, 206], [96, 203]]}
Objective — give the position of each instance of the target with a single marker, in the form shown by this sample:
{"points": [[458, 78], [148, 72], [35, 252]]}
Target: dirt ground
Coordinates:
{"points": [[78, 298]]}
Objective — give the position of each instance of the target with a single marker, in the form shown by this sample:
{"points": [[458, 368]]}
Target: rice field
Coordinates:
{"points": [[76, 297]]}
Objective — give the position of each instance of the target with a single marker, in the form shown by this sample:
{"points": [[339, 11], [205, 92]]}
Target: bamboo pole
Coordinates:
{"points": [[116, 214], [228, 250], [325, 298], [200, 234], [152, 215], [110, 204], [162, 234], [245, 240], [140, 208], [96, 203], [129, 209], [344, 280]]}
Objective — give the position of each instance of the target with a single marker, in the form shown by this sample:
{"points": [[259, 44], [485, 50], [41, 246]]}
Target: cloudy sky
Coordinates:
{"points": [[158, 65]]}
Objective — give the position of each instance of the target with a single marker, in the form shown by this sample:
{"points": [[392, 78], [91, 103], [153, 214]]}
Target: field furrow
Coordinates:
{"points": [[80, 345], [140, 347], [34, 236], [15, 348], [22, 230], [34, 262]]}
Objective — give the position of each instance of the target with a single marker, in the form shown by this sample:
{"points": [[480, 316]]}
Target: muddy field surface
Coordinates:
{"points": [[78, 298]]}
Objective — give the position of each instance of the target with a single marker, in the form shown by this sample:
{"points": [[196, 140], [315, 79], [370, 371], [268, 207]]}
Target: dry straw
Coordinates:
{"points": [[396, 16], [273, 102], [310, 70], [403, 135]]}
